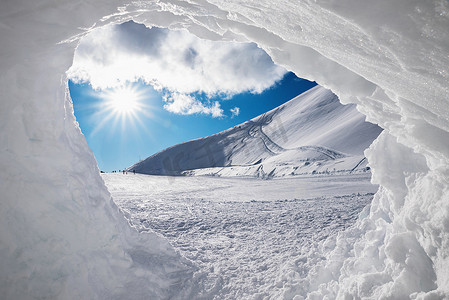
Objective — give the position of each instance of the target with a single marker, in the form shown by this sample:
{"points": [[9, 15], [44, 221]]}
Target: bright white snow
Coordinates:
{"points": [[247, 236], [62, 237]]}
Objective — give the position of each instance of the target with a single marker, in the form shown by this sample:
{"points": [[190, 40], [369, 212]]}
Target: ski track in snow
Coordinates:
{"points": [[245, 235], [256, 130]]}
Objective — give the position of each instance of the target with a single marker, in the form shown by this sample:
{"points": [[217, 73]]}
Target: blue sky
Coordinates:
{"points": [[139, 90]]}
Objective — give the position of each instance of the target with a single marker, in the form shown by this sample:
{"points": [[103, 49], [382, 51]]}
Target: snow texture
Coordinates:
{"points": [[311, 134], [247, 236], [62, 237]]}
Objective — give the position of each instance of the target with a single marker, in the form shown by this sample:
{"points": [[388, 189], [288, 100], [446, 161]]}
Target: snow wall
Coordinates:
{"points": [[62, 237]]}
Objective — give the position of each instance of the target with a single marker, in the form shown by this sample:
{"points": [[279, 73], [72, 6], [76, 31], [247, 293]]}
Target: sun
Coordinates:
{"points": [[124, 107], [124, 100]]}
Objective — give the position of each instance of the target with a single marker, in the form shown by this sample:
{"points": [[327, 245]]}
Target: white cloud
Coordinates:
{"points": [[175, 62], [186, 105], [235, 112]]}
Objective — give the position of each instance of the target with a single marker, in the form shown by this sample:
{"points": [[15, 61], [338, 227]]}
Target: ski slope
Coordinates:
{"points": [[311, 134]]}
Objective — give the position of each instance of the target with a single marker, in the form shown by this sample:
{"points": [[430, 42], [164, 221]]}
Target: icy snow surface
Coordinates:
{"points": [[62, 237], [247, 236]]}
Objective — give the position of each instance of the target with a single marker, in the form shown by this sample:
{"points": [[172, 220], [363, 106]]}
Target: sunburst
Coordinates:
{"points": [[122, 106], [124, 101]]}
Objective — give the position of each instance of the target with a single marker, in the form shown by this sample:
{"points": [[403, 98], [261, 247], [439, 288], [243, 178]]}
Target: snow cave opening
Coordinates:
{"points": [[117, 65]]}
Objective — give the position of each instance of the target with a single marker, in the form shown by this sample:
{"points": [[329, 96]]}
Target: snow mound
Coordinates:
{"points": [[62, 237], [310, 134]]}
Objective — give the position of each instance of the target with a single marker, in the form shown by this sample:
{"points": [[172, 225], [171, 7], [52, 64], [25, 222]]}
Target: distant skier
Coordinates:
{"points": [[123, 172], [134, 171]]}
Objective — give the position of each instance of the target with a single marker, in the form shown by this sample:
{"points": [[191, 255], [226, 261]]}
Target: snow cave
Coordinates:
{"points": [[62, 236]]}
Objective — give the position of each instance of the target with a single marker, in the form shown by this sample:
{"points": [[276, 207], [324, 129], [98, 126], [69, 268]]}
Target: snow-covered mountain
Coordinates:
{"points": [[312, 133]]}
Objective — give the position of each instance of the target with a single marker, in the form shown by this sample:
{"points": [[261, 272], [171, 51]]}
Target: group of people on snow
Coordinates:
{"points": [[123, 171]]}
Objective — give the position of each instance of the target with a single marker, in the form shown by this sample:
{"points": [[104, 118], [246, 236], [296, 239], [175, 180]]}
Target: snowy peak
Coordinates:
{"points": [[312, 133], [317, 118]]}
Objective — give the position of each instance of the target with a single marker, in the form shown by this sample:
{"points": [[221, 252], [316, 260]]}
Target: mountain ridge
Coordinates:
{"points": [[312, 133]]}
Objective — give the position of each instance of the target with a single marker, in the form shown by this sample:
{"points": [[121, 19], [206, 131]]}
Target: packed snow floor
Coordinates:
{"points": [[247, 236]]}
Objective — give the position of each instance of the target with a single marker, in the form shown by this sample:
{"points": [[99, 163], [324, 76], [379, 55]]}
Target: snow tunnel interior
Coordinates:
{"points": [[71, 216]]}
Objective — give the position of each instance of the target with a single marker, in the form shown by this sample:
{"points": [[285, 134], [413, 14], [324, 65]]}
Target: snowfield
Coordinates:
{"points": [[249, 238]]}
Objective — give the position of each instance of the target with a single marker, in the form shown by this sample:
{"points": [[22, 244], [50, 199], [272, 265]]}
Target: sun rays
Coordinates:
{"points": [[124, 101], [121, 109]]}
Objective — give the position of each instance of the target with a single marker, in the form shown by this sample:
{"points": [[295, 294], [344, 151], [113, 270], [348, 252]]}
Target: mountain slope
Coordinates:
{"points": [[312, 133]]}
